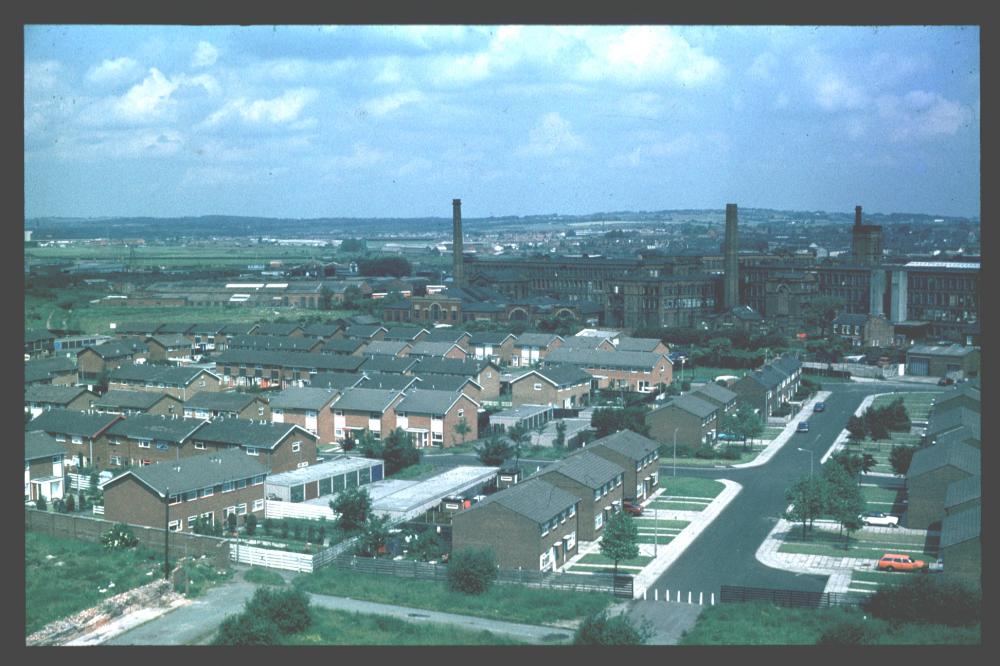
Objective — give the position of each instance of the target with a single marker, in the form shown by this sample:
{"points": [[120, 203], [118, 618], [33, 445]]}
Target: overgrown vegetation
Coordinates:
{"points": [[267, 616], [332, 627], [599, 629], [472, 571]]}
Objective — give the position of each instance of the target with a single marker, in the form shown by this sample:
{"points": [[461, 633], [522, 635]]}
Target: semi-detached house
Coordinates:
{"points": [[360, 409], [694, 420], [83, 435], [430, 417], [278, 446], [180, 382], [633, 371], [596, 481], [532, 348], [43, 467], [565, 386], [638, 456], [143, 439], [227, 404], [128, 403], [308, 407], [40, 397]]}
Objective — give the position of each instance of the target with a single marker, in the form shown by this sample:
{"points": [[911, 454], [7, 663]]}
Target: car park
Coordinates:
{"points": [[897, 562], [819, 407], [632, 508], [879, 519], [802, 427]]}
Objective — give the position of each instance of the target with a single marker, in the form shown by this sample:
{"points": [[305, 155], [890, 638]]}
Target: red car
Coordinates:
{"points": [[633, 509]]}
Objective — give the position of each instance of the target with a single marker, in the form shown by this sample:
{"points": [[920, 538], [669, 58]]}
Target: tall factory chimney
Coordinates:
{"points": [[857, 216], [730, 261], [458, 271]]}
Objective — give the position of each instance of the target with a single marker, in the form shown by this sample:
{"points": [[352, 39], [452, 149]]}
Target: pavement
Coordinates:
{"points": [[771, 449]]}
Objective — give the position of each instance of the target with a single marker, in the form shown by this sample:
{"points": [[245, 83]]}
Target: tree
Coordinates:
{"points": [[857, 428], [472, 571], [393, 266], [843, 498], [462, 429], [231, 522], [398, 451], [251, 524], [41, 504], [70, 503], [325, 298], [374, 535], [352, 245], [820, 311], [611, 419], [353, 505], [495, 450], [808, 498], [560, 440], [900, 457], [621, 538], [599, 629], [246, 629]]}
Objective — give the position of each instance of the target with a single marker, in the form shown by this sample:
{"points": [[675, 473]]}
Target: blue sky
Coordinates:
{"points": [[396, 121]]}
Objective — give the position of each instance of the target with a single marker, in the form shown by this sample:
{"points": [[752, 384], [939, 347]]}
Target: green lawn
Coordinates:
{"points": [[918, 404], [689, 486], [863, 545], [331, 627], [418, 471], [884, 499], [597, 558], [262, 576], [64, 576], [514, 603], [660, 539]]}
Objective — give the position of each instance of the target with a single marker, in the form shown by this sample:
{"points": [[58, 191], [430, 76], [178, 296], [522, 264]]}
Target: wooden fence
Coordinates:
{"points": [[282, 559], [78, 481], [790, 598], [277, 510]]}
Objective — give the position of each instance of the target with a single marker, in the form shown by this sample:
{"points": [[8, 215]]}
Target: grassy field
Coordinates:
{"points": [[764, 624], [330, 627], [689, 487], [918, 404], [863, 545], [177, 256], [501, 602], [64, 576], [262, 576]]}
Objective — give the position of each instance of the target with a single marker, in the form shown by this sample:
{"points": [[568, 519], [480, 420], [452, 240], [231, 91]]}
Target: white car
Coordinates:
{"points": [[879, 519]]}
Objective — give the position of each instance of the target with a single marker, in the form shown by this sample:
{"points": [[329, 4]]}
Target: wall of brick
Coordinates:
{"points": [[690, 432], [926, 494], [588, 508], [516, 540]]}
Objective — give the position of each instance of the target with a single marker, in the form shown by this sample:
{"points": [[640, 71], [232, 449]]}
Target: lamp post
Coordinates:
{"points": [[810, 458], [166, 535], [675, 450], [656, 529]]}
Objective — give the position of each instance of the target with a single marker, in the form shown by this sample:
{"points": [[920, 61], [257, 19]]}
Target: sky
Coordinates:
{"points": [[396, 121]]}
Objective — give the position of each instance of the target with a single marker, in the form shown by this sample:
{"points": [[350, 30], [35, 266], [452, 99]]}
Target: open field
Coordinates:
{"points": [[330, 627], [177, 256], [918, 404]]}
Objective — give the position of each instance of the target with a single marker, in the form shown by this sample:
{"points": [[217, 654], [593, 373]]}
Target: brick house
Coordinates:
{"points": [[409, 334], [38, 343], [280, 329], [137, 329], [57, 371], [649, 345], [390, 364], [564, 386], [181, 382], [366, 332], [425, 349], [168, 346], [719, 396], [143, 439], [210, 485], [227, 404], [941, 360], [596, 481], [485, 372], [388, 348], [206, 338], [128, 403], [864, 330], [588, 343], [430, 417], [83, 435], [496, 346], [358, 409], [43, 467], [265, 369], [532, 525], [385, 380], [633, 371], [764, 390], [278, 446], [932, 470], [346, 346], [325, 331], [638, 456], [695, 421], [39, 397], [276, 343], [307, 407], [92, 362], [532, 348], [961, 546], [443, 382]]}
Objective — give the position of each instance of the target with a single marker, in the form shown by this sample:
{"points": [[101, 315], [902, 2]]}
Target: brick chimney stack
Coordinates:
{"points": [[730, 261], [857, 216], [458, 271]]}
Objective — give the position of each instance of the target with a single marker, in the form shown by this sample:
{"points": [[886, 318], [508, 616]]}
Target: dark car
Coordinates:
{"points": [[819, 407], [946, 381], [631, 508], [803, 426]]}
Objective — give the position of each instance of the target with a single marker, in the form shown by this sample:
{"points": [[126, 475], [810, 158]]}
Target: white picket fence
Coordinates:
{"points": [[280, 559], [276, 509]]}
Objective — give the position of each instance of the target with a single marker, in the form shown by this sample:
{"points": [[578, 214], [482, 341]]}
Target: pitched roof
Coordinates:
{"points": [[941, 423], [713, 390], [404, 333], [691, 405], [536, 339], [490, 337], [276, 328], [54, 394], [560, 375], [534, 499], [581, 342], [638, 344], [174, 327], [444, 334], [37, 334], [385, 347], [248, 433], [947, 400], [438, 349], [428, 401], [118, 348], [130, 399], [787, 364], [336, 380], [469, 367], [170, 340], [344, 345], [39, 444], [72, 422], [152, 426], [324, 330], [961, 526], [222, 401], [954, 454], [387, 380], [194, 472], [363, 331], [366, 399], [44, 368], [288, 359], [964, 490], [303, 398], [585, 468], [273, 342], [597, 358], [445, 382], [158, 374], [206, 329], [388, 364], [627, 443]]}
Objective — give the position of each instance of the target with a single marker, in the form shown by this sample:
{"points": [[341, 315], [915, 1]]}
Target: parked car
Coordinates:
{"points": [[936, 567], [632, 508], [728, 437], [803, 426], [946, 381], [896, 562], [879, 519], [819, 407]]}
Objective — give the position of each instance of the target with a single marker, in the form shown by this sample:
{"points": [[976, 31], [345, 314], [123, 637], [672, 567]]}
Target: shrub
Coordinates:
{"points": [[730, 453], [928, 600], [268, 526], [848, 632], [246, 629], [705, 451], [284, 529], [40, 504], [251, 524], [599, 629], [119, 537], [231, 522], [287, 610], [82, 503], [472, 571]]}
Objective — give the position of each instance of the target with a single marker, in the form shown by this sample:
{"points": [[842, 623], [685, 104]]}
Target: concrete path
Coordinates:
{"points": [[667, 620], [787, 433]]}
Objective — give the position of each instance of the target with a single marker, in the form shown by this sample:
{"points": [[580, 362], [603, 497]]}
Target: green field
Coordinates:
{"points": [[330, 627], [177, 256], [884, 499], [863, 545], [689, 486], [918, 404]]}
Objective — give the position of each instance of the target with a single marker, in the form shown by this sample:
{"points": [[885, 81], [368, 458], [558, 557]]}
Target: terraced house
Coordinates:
{"points": [[532, 348], [93, 362], [638, 456], [179, 492], [57, 371], [596, 481], [358, 409], [128, 403], [493, 345], [227, 404], [278, 446], [264, 369], [430, 417], [83, 435], [180, 382], [695, 421], [631, 371], [307, 407], [486, 373], [144, 439], [39, 398], [168, 347], [564, 386], [532, 525]]}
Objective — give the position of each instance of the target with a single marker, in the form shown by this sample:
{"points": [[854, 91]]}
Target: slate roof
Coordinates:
{"points": [[117, 398], [444, 335], [44, 368], [170, 341], [366, 399], [691, 405], [273, 342], [72, 422], [534, 499], [581, 342], [963, 434], [206, 329], [713, 390], [954, 454], [344, 345], [221, 401], [404, 333], [153, 426], [238, 329], [961, 526], [54, 394], [433, 349], [363, 331], [248, 433], [388, 364], [470, 367], [137, 328], [536, 339], [597, 358], [277, 328], [490, 337], [336, 380], [638, 344], [174, 328], [287, 359], [194, 472], [627, 443], [965, 490], [561, 375], [322, 330], [39, 444], [303, 398], [386, 380], [118, 348], [428, 401], [157, 374], [787, 364], [386, 347], [941, 423], [588, 469], [942, 402], [445, 382]]}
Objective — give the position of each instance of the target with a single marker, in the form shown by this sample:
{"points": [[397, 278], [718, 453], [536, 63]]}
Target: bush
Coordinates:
{"points": [[848, 632], [705, 451], [599, 629], [782, 410], [246, 629], [472, 571], [251, 524], [730, 453], [287, 610], [41, 504], [231, 522], [119, 537], [268, 526], [927, 600], [685, 385]]}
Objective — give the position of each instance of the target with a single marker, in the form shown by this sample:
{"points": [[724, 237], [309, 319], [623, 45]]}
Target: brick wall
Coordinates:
{"points": [[662, 422], [926, 494], [516, 540], [588, 508]]}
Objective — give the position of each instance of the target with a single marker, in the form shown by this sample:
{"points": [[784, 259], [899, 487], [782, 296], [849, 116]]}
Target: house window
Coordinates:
{"points": [[461, 413], [252, 451], [209, 516], [174, 525], [599, 520], [258, 505], [228, 510], [77, 439], [208, 491], [242, 483], [60, 438], [144, 443], [296, 446], [175, 499], [191, 521], [537, 386], [114, 442], [200, 446], [227, 486], [257, 480], [241, 509], [116, 461]]}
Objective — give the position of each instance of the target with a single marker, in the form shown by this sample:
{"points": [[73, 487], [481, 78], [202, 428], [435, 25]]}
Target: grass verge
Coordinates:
{"points": [[331, 627], [861, 545], [262, 576], [689, 486]]}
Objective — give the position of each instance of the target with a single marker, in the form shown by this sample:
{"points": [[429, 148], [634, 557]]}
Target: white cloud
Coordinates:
{"points": [[390, 72], [279, 110], [362, 157], [381, 106], [552, 135], [118, 70], [643, 54], [205, 55], [150, 98], [834, 92], [919, 114], [119, 144], [655, 149]]}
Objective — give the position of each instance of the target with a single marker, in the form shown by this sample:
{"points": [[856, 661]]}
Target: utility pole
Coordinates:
{"points": [[675, 449], [166, 535]]}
